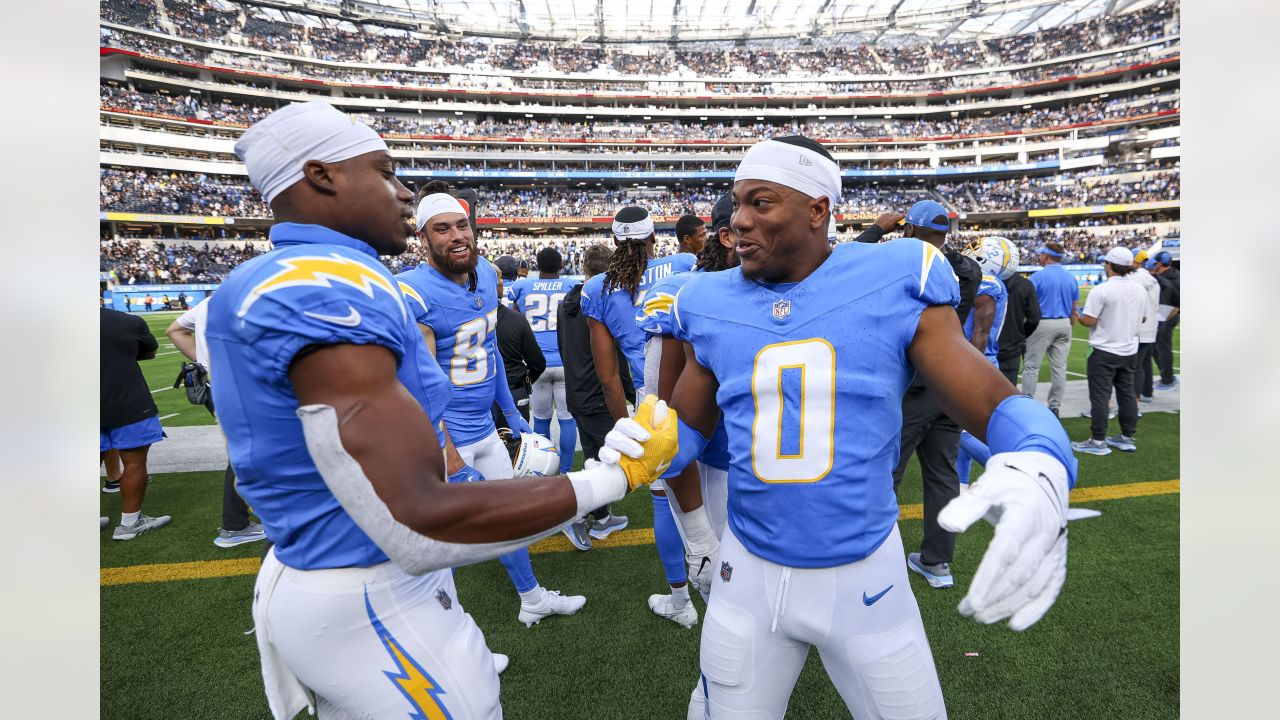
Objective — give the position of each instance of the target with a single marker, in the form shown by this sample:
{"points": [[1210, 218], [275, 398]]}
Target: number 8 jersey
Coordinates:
{"points": [[811, 377], [464, 320]]}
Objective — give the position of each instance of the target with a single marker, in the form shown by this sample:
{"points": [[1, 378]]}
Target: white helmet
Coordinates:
{"points": [[537, 456], [996, 255]]}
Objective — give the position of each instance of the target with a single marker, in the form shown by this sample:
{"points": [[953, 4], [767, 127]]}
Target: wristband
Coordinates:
{"points": [[1022, 424], [598, 485], [691, 443]]}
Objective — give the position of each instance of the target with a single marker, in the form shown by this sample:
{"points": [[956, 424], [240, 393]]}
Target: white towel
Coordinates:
{"points": [[286, 696]]}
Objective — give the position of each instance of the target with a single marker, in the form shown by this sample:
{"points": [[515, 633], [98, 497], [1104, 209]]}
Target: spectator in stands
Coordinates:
{"points": [[1113, 313], [1170, 302], [1144, 379], [187, 334], [1058, 293], [1021, 318], [583, 392], [128, 419]]}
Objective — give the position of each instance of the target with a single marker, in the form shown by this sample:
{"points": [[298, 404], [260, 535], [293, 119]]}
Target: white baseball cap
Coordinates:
{"points": [[1120, 256]]}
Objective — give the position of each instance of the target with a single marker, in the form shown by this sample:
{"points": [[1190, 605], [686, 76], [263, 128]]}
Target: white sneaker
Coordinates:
{"points": [[665, 606], [144, 524], [500, 662], [552, 603]]}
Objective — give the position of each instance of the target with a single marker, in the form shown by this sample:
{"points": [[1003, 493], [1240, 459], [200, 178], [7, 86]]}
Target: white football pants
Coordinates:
{"points": [[342, 632], [547, 388], [488, 455], [862, 617]]}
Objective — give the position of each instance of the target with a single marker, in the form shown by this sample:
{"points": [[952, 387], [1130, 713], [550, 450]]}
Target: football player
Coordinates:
{"points": [[807, 350], [609, 301], [699, 494], [330, 404], [996, 256], [538, 299], [454, 298]]}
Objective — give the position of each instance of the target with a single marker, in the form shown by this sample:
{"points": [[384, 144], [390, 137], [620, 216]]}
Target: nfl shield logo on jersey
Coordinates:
{"points": [[446, 602], [781, 309], [726, 571]]}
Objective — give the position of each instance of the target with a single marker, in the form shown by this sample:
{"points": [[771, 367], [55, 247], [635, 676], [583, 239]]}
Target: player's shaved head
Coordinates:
{"points": [[780, 233], [359, 197]]}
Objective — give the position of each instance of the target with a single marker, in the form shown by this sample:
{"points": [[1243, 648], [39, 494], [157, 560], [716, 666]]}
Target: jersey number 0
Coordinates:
{"points": [[794, 388]]}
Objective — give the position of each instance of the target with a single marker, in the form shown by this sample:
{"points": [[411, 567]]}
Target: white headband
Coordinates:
{"points": [[833, 232], [276, 147], [435, 204], [798, 168], [635, 231]]}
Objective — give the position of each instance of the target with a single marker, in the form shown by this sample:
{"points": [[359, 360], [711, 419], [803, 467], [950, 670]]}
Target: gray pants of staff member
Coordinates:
{"points": [[1052, 335], [1108, 372]]}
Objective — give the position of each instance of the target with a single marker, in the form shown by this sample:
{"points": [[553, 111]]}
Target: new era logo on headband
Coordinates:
{"points": [[805, 161]]}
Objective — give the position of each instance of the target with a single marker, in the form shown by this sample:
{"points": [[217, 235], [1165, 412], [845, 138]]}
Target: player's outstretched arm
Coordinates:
{"points": [[377, 451], [604, 352], [1024, 490]]}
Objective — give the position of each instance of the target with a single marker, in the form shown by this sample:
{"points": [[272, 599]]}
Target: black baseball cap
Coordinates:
{"points": [[722, 212]]}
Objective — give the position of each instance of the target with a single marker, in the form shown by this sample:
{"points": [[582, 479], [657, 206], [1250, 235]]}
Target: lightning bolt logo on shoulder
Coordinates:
{"points": [[417, 686], [322, 271]]}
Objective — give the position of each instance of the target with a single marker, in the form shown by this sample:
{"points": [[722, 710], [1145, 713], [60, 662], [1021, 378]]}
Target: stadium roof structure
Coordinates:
{"points": [[717, 21]]}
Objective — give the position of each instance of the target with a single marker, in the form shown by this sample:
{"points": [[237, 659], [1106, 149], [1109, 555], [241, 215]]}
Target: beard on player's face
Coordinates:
{"points": [[452, 252]]}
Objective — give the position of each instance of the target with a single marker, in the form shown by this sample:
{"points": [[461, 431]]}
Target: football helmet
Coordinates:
{"points": [[996, 255], [533, 454]]}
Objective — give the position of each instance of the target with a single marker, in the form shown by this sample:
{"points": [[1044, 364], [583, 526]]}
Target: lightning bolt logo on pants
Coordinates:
{"points": [[417, 686]]}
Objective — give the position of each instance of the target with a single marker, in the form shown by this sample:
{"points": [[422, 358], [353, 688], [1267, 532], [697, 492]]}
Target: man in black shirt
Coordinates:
{"points": [[583, 393], [1021, 318], [521, 358], [128, 419], [1170, 300], [926, 430]]}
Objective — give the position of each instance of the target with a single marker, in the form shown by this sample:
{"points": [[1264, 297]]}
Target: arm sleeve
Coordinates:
{"points": [[1031, 306], [870, 235], [533, 357], [146, 341], [502, 389]]}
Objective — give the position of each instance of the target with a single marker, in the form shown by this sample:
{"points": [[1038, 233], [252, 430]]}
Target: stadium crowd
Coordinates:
{"points": [[1059, 191], [137, 263], [177, 193], [324, 38], [181, 106]]}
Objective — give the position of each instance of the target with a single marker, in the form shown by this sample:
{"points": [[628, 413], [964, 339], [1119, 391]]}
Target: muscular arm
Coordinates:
{"points": [[694, 396], [687, 486], [1088, 320], [984, 315], [184, 339], [605, 354], [387, 432], [967, 386]]}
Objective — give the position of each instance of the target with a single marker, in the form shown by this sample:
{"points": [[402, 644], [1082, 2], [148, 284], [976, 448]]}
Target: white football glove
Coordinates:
{"points": [[702, 572], [1024, 495]]}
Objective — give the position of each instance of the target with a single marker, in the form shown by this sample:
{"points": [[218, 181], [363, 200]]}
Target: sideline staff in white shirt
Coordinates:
{"points": [[1113, 312]]}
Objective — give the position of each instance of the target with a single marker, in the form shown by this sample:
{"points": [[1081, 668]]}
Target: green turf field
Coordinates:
{"points": [[1109, 648]]}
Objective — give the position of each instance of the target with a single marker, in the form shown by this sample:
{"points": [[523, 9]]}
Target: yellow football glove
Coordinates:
{"points": [[644, 445]]}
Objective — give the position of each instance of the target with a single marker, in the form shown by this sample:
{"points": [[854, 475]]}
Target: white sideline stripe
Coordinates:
{"points": [[171, 352], [166, 417], [153, 392]]}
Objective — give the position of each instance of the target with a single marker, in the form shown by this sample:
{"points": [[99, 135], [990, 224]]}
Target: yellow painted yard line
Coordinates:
{"points": [[166, 572]]}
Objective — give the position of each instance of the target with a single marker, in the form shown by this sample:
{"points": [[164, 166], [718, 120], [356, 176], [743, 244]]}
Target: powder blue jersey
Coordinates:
{"points": [[464, 321], [316, 287], [539, 299], [655, 318], [993, 288], [811, 378], [616, 311]]}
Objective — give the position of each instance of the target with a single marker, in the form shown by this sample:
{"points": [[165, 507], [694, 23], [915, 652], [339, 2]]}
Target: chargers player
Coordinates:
{"points": [[609, 301], [807, 350], [454, 297], [329, 402], [538, 299], [998, 258]]}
